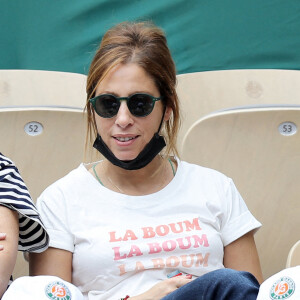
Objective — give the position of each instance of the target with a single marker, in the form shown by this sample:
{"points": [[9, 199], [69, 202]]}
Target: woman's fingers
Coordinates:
{"points": [[179, 281]]}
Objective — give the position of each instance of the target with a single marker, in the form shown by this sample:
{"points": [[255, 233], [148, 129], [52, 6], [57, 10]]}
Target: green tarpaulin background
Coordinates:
{"points": [[202, 34]]}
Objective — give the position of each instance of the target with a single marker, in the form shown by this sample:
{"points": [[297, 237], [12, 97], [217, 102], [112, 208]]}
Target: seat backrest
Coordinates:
{"points": [[202, 93], [42, 88], [259, 148], [294, 256], [44, 142]]}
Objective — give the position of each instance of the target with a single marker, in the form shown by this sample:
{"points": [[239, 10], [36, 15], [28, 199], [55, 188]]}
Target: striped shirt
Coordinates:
{"points": [[14, 195]]}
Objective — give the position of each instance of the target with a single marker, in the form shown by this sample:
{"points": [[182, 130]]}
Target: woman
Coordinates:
{"points": [[20, 225], [123, 225]]}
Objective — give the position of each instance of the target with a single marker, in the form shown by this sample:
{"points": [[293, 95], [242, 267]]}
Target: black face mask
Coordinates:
{"points": [[155, 145]]}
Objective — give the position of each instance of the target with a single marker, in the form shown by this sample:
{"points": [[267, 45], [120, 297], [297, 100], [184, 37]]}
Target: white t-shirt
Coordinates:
{"points": [[123, 245]]}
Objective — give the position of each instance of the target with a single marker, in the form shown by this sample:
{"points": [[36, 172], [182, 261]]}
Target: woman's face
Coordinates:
{"points": [[124, 134]]}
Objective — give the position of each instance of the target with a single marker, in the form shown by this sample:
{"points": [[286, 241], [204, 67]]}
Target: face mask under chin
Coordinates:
{"points": [[155, 145]]}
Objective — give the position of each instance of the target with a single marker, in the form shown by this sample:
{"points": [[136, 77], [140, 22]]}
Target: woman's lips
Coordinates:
{"points": [[125, 140]]}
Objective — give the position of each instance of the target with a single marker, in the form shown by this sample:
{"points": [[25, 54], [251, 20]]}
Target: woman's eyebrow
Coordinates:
{"points": [[107, 92]]}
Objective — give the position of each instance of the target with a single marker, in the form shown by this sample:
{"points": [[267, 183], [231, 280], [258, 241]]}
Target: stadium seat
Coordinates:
{"points": [[294, 256], [259, 147], [202, 93]]}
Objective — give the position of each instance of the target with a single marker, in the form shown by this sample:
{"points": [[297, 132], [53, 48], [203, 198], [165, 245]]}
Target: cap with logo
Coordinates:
{"points": [[42, 288], [282, 285]]}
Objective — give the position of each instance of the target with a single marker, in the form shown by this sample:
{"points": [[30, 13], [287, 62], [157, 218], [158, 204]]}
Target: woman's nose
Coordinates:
{"points": [[124, 117]]}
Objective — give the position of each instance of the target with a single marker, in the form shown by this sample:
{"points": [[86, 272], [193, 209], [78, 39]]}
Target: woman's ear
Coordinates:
{"points": [[168, 113]]}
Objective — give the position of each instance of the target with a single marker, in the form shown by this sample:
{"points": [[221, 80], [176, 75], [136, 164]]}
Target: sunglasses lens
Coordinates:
{"points": [[140, 105], [107, 106]]}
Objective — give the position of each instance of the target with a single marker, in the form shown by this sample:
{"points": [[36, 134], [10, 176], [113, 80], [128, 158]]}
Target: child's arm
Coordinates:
{"points": [[9, 224]]}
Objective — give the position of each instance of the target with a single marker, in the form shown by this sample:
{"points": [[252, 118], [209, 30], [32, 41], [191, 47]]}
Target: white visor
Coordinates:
{"points": [[42, 288], [282, 285]]}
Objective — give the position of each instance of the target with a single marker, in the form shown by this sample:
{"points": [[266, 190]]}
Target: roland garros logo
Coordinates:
{"points": [[58, 291], [282, 288]]}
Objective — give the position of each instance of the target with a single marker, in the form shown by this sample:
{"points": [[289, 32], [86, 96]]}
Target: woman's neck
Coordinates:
{"points": [[150, 179]]}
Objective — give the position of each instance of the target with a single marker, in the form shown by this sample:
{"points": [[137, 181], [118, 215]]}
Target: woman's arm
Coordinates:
{"points": [[242, 255], [53, 261], [9, 223]]}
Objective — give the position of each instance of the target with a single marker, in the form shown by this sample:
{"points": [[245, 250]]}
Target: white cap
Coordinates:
{"points": [[282, 285], [42, 288]]}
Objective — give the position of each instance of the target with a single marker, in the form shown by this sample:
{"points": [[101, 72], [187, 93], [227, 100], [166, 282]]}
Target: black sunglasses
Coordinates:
{"points": [[139, 105]]}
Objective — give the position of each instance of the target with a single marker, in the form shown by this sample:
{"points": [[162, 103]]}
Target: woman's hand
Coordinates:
{"points": [[164, 288], [2, 237]]}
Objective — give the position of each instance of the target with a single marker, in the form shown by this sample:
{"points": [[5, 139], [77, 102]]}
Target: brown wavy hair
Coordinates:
{"points": [[144, 44]]}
